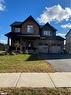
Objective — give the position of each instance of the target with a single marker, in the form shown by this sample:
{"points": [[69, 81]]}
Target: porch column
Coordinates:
{"points": [[8, 41], [21, 45], [7, 45], [21, 49], [12, 42]]}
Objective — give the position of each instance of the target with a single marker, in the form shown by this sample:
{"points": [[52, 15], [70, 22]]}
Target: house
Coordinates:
{"points": [[68, 42], [29, 36]]}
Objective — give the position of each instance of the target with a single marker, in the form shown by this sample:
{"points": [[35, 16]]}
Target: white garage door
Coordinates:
{"points": [[43, 49], [55, 49]]}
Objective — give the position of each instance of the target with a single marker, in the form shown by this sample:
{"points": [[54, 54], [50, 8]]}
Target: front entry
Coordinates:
{"points": [[29, 46]]}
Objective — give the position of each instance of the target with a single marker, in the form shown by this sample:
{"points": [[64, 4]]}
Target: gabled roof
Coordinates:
{"points": [[51, 27], [68, 32], [30, 18], [16, 23]]}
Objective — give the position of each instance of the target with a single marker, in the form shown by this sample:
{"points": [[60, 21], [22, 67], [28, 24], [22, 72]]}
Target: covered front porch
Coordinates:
{"points": [[21, 43]]}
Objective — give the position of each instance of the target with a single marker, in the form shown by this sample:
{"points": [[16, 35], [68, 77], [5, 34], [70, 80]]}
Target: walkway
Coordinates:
{"points": [[35, 79]]}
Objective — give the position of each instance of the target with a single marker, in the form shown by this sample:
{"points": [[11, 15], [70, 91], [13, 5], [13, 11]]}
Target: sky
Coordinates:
{"points": [[56, 12]]}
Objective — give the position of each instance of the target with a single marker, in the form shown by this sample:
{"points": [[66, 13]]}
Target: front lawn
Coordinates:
{"points": [[24, 63], [35, 91]]}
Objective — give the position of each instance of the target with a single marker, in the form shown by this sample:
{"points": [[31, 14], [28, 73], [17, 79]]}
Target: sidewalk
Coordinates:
{"points": [[35, 79]]}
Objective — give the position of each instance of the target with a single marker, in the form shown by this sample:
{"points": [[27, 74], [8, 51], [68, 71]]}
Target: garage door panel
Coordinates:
{"points": [[43, 49], [55, 49]]}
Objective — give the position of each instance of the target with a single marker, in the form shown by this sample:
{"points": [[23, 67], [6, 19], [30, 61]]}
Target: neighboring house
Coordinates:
{"points": [[29, 36], [68, 42]]}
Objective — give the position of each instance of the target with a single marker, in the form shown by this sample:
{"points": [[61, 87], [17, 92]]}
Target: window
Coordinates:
{"points": [[17, 29], [47, 33], [30, 29]]}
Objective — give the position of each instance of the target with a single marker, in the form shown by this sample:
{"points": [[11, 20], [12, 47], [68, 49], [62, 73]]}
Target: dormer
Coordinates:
{"points": [[16, 27], [48, 30]]}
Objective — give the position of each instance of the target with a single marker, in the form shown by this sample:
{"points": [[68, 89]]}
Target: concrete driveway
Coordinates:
{"points": [[61, 65]]}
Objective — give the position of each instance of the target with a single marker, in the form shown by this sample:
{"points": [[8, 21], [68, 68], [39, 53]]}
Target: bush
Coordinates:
{"points": [[2, 47]]}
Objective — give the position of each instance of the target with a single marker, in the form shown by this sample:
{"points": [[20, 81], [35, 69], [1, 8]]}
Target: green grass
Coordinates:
{"points": [[24, 63], [36, 91]]}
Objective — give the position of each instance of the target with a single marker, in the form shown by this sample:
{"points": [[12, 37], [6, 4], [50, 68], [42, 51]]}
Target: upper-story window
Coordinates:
{"points": [[46, 33], [30, 29], [17, 29]]}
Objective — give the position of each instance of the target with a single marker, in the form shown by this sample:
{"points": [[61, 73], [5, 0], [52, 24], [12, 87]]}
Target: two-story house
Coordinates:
{"points": [[68, 42], [29, 36]]}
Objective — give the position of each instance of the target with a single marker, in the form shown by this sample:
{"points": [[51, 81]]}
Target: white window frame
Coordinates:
{"points": [[17, 29], [30, 29], [46, 33]]}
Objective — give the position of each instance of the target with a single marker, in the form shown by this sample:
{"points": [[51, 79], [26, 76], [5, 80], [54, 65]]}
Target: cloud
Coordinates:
{"points": [[2, 5], [66, 25], [3, 41], [55, 13], [61, 34]]}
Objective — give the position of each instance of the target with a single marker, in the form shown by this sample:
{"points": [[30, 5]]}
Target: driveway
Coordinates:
{"points": [[60, 62], [61, 65]]}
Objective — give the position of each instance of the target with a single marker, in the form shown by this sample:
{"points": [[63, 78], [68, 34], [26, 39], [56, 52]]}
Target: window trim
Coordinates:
{"points": [[17, 29], [29, 28], [46, 33]]}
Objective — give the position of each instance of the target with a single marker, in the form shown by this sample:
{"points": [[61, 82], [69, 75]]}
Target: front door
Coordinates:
{"points": [[29, 46]]}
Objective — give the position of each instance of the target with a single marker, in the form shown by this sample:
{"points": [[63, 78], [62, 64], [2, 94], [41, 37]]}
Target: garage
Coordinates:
{"points": [[51, 49], [55, 49], [43, 49]]}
